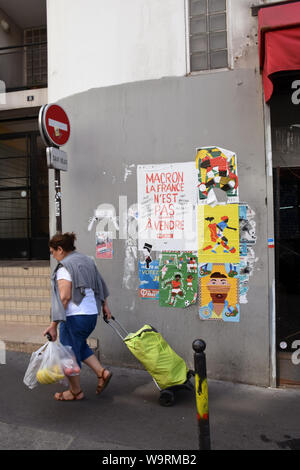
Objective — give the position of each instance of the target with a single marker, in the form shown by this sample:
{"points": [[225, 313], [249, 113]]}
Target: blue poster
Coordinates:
{"points": [[149, 280]]}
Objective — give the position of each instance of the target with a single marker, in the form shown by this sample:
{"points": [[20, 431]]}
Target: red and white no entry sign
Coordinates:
{"points": [[55, 124]]}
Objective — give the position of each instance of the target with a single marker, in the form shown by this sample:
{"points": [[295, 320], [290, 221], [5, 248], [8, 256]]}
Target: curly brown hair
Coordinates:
{"points": [[64, 240]]}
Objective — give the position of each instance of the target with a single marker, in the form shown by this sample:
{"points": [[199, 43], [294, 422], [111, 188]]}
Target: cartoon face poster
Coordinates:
{"points": [[218, 233], [219, 292], [217, 168], [178, 279]]}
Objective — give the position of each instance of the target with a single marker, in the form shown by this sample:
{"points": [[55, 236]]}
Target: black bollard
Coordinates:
{"points": [[201, 394]]}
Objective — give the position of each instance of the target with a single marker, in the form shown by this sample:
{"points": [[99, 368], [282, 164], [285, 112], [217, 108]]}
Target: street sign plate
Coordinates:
{"points": [[55, 125], [57, 159]]}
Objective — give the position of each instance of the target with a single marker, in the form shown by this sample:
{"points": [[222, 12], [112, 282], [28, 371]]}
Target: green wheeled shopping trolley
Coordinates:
{"points": [[168, 370]]}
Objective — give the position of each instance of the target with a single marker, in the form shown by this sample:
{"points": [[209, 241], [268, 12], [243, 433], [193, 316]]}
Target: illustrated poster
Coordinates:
{"points": [[219, 292], [218, 233], [217, 167], [178, 279]]}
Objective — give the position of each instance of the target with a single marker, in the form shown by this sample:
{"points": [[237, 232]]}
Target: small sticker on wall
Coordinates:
{"points": [[149, 279], [104, 245]]}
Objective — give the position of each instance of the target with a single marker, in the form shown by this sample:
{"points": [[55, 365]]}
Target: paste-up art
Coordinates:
{"points": [[149, 279], [178, 279], [218, 233], [247, 242], [167, 200], [219, 292], [216, 167], [104, 245]]}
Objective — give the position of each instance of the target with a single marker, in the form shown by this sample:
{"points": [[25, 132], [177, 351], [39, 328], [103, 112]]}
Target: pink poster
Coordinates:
{"points": [[104, 245]]}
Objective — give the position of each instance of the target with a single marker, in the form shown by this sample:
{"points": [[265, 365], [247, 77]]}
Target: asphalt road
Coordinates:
{"points": [[127, 416]]}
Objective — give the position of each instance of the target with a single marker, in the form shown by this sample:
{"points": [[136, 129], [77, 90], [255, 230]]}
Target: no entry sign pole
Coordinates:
{"points": [[55, 129], [57, 187]]}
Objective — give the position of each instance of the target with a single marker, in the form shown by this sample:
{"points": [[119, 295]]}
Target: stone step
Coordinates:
{"points": [[25, 316], [23, 303], [28, 338], [25, 271], [25, 291], [25, 281]]}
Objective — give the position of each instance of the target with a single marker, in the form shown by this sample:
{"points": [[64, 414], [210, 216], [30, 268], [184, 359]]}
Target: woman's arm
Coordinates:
{"points": [[106, 310], [65, 291]]}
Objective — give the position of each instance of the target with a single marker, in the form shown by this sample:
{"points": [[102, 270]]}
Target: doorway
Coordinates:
{"points": [[285, 128], [287, 253], [24, 198]]}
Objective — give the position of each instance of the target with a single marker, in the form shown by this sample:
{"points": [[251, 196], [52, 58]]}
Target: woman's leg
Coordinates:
{"points": [[104, 375], [74, 392]]}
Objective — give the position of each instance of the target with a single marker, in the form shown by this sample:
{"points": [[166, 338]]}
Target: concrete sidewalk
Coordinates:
{"points": [[127, 416]]}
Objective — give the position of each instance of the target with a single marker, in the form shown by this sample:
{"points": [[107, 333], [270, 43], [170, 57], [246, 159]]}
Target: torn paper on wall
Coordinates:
{"points": [[104, 245], [130, 261], [247, 254]]}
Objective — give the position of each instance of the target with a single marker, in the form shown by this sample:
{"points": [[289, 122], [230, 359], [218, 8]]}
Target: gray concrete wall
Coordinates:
{"points": [[157, 122]]}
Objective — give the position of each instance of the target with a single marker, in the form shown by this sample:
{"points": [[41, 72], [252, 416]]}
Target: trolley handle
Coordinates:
{"points": [[121, 327]]}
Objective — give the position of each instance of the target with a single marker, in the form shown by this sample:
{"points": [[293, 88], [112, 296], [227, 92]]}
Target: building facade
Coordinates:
{"points": [[150, 83]]}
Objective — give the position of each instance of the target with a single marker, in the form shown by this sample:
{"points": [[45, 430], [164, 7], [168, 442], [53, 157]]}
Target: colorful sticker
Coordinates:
{"points": [[216, 167], [149, 279], [104, 245], [219, 292], [178, 279], [218, 233]]}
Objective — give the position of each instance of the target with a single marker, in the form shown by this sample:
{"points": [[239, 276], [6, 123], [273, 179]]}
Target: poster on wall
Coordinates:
{"points": [[149, 279], [218, 233], [247, 241], [219, 292], [104, 245], [178, 279], [216, 167], [167, 198]]}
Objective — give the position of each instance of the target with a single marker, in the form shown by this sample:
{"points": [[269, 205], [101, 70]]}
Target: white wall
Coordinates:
{"points": [[98, 43]]}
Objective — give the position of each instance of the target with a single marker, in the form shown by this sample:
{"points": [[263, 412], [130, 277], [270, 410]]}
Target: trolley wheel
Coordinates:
{"points": [[166, 398]]}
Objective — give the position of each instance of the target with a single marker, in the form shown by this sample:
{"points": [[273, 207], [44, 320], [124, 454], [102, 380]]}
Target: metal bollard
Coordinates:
{"points": [[201, 394]]}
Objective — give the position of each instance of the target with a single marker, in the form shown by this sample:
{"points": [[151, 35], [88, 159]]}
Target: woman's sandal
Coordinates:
{"points": [[104, 381], [60, 396]]}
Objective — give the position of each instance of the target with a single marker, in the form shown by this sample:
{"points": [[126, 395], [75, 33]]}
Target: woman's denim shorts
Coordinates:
{"points": [[75, 331]]}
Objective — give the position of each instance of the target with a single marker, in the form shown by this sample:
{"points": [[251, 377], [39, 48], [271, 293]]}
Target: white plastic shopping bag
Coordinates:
{"points": [[58, 362], [36, 359], [50, 364]]}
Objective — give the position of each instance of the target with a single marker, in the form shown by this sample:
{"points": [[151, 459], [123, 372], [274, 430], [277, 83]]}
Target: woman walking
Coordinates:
{"points": [[79, 293]]}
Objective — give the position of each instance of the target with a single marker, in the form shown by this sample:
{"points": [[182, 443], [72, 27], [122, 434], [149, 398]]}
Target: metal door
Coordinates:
{"points": [[24, 207]]}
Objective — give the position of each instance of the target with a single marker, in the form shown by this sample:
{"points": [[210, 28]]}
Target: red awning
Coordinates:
{"points": [[279, 41]]}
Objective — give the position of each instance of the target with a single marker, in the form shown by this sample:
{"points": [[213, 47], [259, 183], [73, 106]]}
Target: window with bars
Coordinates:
{"points": [[36, 56], [207, 34]]}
